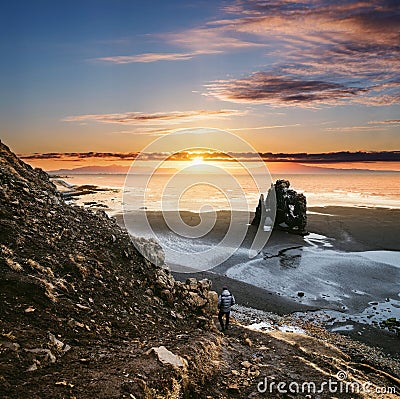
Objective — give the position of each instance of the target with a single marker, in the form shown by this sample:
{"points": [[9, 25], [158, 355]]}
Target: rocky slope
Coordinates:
{"points": [[74, 291], [84, 315]]}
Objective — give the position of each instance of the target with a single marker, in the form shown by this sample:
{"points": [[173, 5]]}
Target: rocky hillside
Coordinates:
{"points": [[74, 291], [84, 315]]}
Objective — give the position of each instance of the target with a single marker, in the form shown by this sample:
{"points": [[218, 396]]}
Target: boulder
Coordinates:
{"points": [[212, 298], [166, 357], [191, 284], [196, 300]]}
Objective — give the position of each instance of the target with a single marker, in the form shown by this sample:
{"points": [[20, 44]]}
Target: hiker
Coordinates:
{"points": [[225, 301]]}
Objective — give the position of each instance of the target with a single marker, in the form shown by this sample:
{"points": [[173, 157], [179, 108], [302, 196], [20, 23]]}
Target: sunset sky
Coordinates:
{"points": [[286, 76]]}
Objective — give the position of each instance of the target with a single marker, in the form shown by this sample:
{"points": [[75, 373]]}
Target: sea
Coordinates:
{"points": [[200, 192]]}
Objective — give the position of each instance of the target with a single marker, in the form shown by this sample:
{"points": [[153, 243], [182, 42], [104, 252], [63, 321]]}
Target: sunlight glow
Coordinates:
{"points": [[198, 161]]}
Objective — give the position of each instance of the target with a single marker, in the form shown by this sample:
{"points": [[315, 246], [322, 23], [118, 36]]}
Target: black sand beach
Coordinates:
{"points": [[335, 231]]}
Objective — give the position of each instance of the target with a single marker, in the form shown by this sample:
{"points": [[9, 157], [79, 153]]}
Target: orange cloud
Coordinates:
{"points": [[158, 118]]}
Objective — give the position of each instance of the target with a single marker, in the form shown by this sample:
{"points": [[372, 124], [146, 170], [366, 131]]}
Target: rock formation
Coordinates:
{"points": [[291, 208]]}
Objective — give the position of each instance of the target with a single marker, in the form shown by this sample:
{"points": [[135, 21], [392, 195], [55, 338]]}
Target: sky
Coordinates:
{"points": [[285, 75]]}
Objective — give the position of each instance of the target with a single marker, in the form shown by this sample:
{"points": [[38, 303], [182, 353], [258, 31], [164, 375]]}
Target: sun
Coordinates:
{"points": [[197, 161]]}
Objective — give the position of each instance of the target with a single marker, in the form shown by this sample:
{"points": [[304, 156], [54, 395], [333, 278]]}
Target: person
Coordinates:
{"points": [[225, 301]]}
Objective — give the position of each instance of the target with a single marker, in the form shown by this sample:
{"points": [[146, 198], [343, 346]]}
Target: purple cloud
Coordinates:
{"points": [[157, 118], [263, 87]]}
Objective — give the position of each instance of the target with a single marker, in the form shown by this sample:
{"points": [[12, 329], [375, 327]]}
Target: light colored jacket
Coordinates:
{"points": [[225, 301]]}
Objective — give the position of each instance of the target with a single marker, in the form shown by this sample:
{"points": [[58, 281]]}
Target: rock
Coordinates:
{"points": [[59, 345], [32, 368], [48, 355], [167, 357], [203, 321], [212, 298], [151, 249], [167, 295], [233, 388], [291, 208], [260, 210], [191, 283], [10, 345], [300, 294], [246, 364], [194, 299], [164, 280], [204, 286]]}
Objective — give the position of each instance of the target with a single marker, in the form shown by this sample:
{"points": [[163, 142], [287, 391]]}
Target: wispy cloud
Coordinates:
{"points": [[329, 50], [387, 122], [280, 90], [263, 127], [157, 118], [354, 129], [154, 57], [319, 51], [213, 37]]}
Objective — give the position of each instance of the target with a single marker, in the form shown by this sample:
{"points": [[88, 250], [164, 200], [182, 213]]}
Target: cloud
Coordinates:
{"points": [[263, 127], [154, 57], [344, 156], [320, 21], [210, 39], [145, 131], [277, 90], [177, 131], [158, 118], [354, 129], [346, 50], [206, 40], [351, 44], [387, 122], [68, 156]]}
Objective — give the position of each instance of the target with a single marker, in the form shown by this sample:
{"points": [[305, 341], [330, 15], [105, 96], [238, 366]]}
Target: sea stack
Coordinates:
{"points": [[291, 208]]}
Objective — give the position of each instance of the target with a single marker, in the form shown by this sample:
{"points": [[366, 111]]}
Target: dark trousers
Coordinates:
{"points": [[220, 316]]}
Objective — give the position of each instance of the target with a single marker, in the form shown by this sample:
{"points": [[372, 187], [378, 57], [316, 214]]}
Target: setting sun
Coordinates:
{"points": [[198, 161]]}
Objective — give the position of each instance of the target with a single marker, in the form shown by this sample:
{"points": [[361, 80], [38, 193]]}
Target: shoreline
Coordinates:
{"points": [[345, 229], [257, 299], [334, 231]]}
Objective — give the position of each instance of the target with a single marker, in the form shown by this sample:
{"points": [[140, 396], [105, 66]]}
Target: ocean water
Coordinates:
{"points": [[186, 192]]}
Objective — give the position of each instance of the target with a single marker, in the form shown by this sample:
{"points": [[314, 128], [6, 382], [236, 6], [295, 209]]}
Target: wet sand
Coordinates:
{"points": [[290, 263], [347, 267], [357, 229]]}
